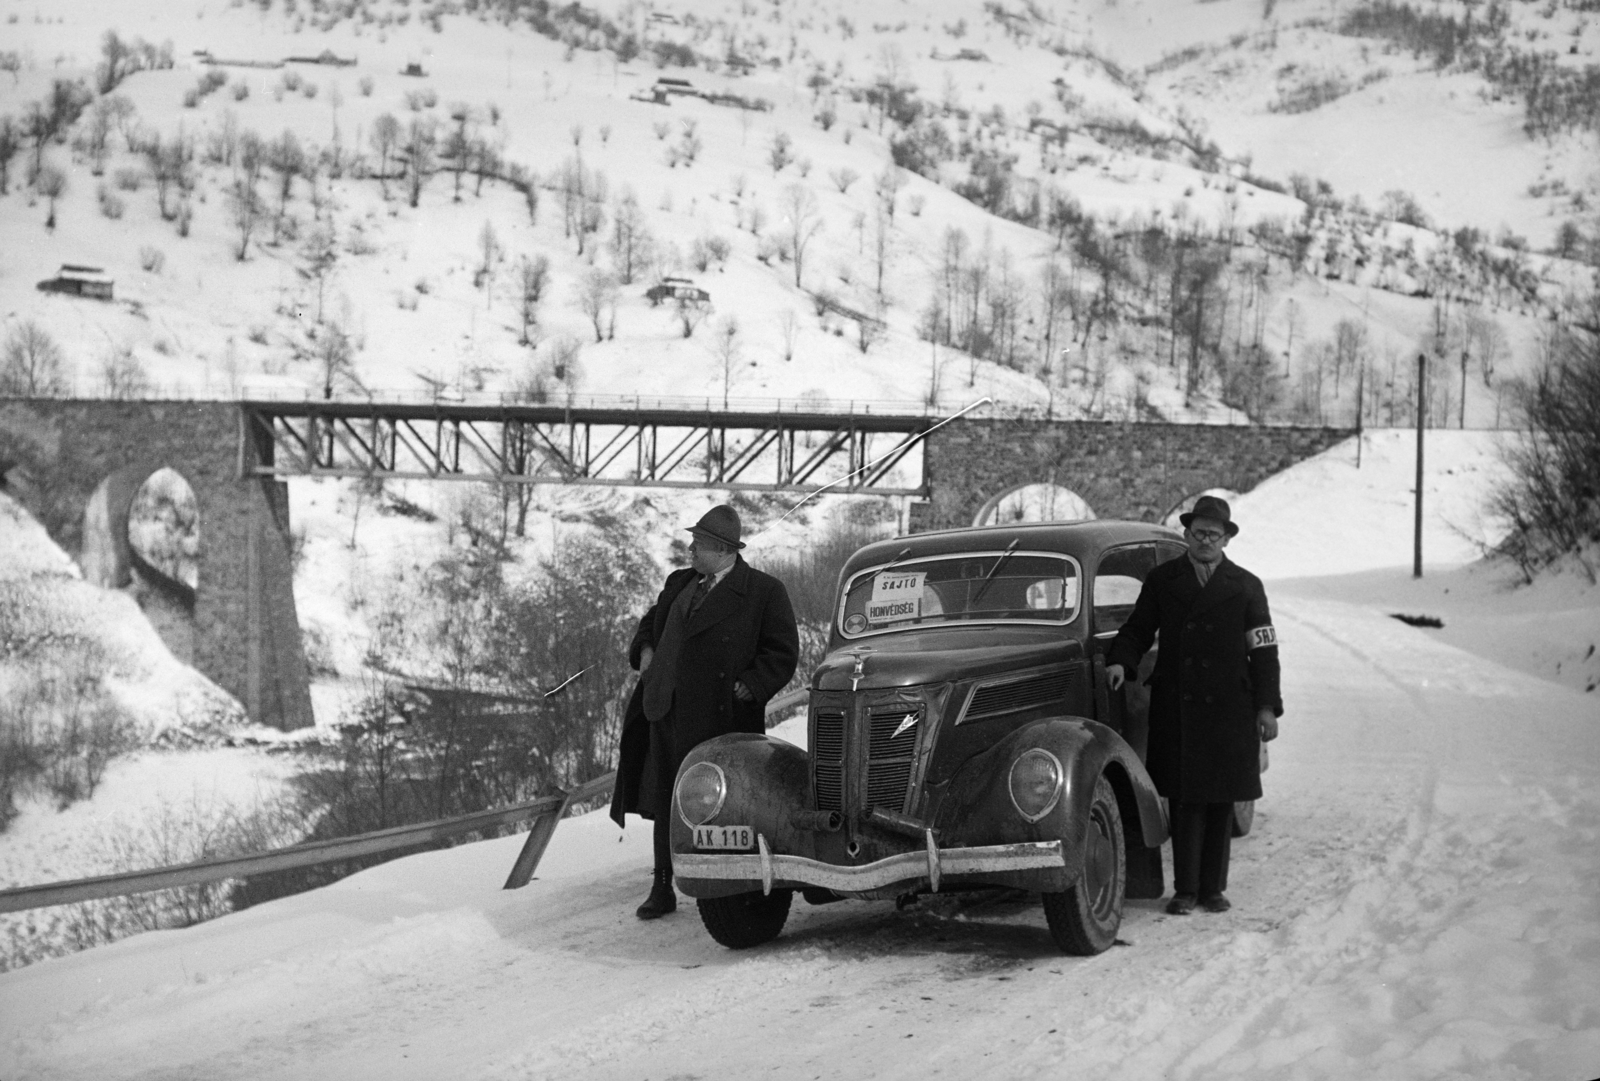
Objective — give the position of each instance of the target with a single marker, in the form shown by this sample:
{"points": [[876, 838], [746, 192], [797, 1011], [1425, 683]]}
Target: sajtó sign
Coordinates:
{"points": [[896, 596]]}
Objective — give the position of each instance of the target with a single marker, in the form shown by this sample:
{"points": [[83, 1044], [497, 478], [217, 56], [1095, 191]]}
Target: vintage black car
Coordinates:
{"points": [[962, 735]]}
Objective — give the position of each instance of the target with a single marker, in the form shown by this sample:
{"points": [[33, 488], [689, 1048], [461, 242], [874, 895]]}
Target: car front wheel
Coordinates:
{"points": [[745, 919], [1085, 917]]}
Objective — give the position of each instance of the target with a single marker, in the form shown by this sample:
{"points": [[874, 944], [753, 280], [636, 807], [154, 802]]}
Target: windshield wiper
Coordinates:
{"points": [[982, 586], [895, 562]]}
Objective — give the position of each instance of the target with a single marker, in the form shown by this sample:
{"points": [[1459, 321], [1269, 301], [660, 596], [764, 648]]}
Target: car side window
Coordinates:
{"points": [[1167, 551], [1117, 583]]}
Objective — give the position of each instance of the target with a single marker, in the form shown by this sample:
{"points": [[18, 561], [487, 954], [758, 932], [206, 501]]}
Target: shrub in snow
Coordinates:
{"points": [[780, 152], [111, 205]]}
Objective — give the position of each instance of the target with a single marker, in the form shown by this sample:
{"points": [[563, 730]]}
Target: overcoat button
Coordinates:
{"points": [[1208, 699], [1188, 698], [1189, 626], [1208, 626], [1205, 664]]}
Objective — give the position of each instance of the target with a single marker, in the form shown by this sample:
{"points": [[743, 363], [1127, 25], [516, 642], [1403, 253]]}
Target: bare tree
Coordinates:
{"points": [[489, 252], [97, 136], [321, 253], [244, 210], [631, 242], [886, 185], [533, 277], [789, 328], [800, 208], [10, 145], [334, 352], [31, 363], [842, 178], [485, 162], [385, 137], [419, 150], [122, 377], [457, 148], [780, 152], [597, 298], [690, 314], [52, 184], [286, 158], [882, 247], [726, 347]]}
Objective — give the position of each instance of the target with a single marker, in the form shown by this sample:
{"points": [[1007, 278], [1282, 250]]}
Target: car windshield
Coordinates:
{"points": [[988, 587]]}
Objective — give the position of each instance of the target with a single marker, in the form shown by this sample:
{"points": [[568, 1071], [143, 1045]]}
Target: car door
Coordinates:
{"points": [[1115, 587]]}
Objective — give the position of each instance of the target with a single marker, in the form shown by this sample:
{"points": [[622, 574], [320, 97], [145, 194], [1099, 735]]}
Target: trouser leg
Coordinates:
{"points": [[663, 843], [1216, 847], [1188, 836]]}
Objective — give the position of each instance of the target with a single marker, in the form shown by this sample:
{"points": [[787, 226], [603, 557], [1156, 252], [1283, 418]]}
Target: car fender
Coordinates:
{"points": [[978, 809], [768, 780]]}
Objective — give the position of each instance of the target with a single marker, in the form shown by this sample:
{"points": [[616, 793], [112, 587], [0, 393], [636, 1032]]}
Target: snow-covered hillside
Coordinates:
{"points": [[1430, 818], [1139, 150]]}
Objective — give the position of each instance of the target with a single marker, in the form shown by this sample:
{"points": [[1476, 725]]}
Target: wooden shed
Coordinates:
{"points": [[78, 280]]}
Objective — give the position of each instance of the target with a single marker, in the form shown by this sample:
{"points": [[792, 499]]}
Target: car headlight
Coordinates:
{"points": [[1036, 778], [701, 790]]}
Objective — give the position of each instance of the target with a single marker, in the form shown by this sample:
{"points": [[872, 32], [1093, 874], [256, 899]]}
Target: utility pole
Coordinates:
{"points": [[1361, 391], [1422, 417]]}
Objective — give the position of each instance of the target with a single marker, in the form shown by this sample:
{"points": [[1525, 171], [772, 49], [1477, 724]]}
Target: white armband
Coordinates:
{"points": [[1260, 636]]}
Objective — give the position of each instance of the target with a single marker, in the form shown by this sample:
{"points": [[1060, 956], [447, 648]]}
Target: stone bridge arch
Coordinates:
{"points": [[77, 466], [1121, 470], [113, 559]]}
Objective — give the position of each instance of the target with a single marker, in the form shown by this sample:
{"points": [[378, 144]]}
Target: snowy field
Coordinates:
{"points": [[1420, 897]]}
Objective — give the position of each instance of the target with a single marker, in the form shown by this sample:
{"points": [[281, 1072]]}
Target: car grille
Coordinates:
{"points": [[890, 756], [827, 758], [1023, 694]]}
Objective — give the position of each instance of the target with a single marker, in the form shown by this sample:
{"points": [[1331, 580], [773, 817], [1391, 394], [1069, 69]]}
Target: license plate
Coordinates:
{"points": [[740, 837]]}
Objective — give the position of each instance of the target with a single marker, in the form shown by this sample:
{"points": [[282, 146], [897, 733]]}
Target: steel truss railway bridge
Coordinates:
{"points": [[530, 444]]}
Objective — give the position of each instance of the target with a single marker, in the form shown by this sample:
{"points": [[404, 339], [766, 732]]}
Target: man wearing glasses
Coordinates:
{"points": [[1213, 696]]}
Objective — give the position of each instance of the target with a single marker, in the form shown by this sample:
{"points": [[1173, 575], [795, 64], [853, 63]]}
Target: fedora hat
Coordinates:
{"points": [[1209, 506], [720, 523]]}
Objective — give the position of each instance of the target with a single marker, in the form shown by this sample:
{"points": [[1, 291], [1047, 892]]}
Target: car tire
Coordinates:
{"points": [[744, 920], [1084, 918], [1244, 816]]}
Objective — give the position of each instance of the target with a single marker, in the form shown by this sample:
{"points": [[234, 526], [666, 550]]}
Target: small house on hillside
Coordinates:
{"points": [[83, 281], [667, 84], [414, 69], [327, 57]]}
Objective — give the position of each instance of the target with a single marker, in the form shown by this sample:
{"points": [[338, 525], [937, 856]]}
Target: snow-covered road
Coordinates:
{"points": [[1420, 898]]}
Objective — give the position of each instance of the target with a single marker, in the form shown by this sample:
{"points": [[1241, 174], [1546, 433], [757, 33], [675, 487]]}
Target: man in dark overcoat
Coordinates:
{"points": [[1214, 696], [717, 644]]}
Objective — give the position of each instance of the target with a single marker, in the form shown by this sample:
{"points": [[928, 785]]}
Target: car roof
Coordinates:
{"points": [[1081, 539]]}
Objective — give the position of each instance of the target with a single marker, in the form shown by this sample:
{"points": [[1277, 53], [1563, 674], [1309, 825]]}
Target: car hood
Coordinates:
{"points": [[938, 655]]}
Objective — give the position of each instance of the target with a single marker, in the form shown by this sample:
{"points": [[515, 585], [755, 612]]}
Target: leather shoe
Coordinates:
{"points": [[662, 900], [1217, 902], [1181, 904]]}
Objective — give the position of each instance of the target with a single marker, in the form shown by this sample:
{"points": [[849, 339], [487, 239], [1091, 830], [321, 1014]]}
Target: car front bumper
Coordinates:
{"points": [[932, 864]]}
